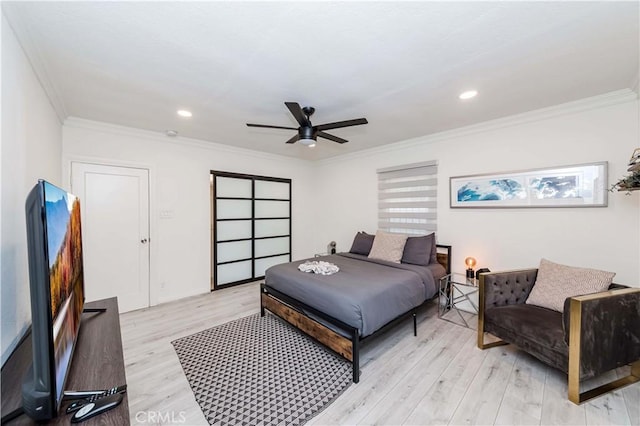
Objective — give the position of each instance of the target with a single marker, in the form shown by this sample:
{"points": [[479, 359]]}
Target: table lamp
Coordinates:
{"points": [[470, 262]]}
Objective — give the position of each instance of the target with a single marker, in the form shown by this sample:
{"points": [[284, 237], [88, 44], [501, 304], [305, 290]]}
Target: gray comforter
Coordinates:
{"points": [[365, 293]]}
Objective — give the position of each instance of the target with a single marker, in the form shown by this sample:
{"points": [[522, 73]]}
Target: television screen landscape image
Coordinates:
{"points": [[64, 241], [57, 294]]}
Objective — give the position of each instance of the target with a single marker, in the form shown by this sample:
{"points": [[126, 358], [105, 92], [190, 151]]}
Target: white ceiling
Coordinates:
{"points": [[399, 64]]}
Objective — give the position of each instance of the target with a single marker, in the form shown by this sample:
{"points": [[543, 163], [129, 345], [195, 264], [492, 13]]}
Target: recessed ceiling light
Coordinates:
{"points": [[468, 94], [184, 113], [171, 133]]}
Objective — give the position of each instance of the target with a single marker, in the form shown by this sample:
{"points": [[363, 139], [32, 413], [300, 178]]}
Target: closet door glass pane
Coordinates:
{"points": [[233, 209], [232, 272], [271, 227], [233, 187], [267, 189], [234, 230], [272, 208], [272, 246], [262, 265], [237, 250]]}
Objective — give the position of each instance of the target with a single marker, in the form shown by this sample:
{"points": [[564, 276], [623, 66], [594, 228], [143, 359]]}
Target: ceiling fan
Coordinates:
{"points": [[307, 132]]}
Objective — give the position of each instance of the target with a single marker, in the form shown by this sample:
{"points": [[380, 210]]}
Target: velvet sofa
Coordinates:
{"points": [[595, 333]]}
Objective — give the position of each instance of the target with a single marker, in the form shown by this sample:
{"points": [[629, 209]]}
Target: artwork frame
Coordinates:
{"points": [[578, 185]]}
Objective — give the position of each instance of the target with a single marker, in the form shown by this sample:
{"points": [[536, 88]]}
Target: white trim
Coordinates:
{"points": [[34, 56], [68, 159], [99, 126], [408, 166], [586, 104]]}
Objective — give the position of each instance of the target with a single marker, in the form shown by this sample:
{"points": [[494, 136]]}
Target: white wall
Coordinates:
{"points": [[31, 147], [604, 238], [179, 170]]}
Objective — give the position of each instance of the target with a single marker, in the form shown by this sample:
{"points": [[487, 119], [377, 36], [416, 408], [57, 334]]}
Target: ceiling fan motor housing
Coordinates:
{"points": [[307, 133]]}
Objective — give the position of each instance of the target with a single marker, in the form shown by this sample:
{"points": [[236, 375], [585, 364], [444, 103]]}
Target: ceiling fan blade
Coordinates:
{"points": [[297, 113], [271, 127], [331, 137], [339, 124], [294, 139]]}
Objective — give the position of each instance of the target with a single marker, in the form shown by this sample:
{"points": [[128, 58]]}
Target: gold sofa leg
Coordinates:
{"points": [[483, 345], [578, 398], [574, 363]]}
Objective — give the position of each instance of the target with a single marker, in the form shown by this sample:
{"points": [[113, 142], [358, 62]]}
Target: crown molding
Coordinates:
{"points": [[581, 105], [158, 137], [34, 56]]}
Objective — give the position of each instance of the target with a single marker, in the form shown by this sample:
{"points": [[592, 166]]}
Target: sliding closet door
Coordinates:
{"points": [[251, 218], [272, 218], [233, 230]]}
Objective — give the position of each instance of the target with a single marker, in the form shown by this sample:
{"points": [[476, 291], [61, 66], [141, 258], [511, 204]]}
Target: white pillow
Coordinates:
{"points": [[388, 246], [555, 282]]}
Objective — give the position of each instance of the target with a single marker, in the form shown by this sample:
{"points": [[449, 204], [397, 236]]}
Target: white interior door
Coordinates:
{"points": [[115, 232]]}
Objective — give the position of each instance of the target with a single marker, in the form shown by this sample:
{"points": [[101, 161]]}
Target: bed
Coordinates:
{"points": [[365, 297]]}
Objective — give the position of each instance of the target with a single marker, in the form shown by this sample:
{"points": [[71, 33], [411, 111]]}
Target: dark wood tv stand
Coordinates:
{"points": [[98, 363]]}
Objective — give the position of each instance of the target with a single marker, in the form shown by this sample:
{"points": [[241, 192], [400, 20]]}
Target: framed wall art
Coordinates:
{"points": [[580, 185]]}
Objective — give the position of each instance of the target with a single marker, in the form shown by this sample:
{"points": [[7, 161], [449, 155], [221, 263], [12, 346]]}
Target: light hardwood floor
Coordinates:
{"points": [[438, 377]]}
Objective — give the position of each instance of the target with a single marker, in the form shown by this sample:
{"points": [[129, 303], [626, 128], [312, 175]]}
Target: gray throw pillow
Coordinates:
{"points": [[362, 243], [434, 250], [417, 250]]}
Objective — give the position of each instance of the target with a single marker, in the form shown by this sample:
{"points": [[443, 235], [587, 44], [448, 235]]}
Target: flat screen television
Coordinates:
{"points": [[57, 295]]}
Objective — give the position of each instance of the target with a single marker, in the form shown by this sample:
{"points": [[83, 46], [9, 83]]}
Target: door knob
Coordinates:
{"points": [[144, 241]]}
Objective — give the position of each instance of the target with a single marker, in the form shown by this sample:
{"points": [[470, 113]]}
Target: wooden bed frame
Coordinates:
{"points": [[347, 343]]}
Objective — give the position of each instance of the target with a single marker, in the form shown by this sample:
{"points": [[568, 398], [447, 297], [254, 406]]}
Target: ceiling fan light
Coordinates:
{"points": [[468, 94], [308, 142]]}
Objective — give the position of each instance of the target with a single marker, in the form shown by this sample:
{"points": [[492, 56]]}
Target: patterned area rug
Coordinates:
{"points": [[260, 371]]}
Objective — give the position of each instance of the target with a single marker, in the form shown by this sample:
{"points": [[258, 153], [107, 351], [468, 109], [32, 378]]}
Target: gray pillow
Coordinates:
{"points": [[420, 250], [434, 249], [362, 243]]}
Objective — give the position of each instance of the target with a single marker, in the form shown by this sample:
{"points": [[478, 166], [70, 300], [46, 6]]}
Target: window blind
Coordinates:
{"points": [[407, 198]]}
